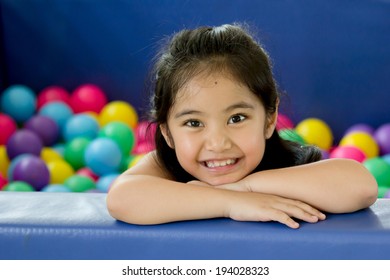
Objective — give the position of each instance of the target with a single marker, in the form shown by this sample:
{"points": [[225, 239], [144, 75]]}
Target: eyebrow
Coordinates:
{"points": [[239, 105]]}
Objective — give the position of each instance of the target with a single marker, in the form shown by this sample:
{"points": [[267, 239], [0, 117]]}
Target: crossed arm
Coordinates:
{"points": [[145, 195]]}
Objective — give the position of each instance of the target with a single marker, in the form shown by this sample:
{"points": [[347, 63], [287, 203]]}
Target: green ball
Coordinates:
{"points": [[18, 186], [121, 133], [382, 190], [291, 135], [74, 152], [380, 169], [79, 183]]}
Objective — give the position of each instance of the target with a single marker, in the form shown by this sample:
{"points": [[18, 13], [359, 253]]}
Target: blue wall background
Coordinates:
{"points": [[332, 58]]}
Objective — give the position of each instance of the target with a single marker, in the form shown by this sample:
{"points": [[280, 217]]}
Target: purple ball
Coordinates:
{"points": [[24, 141], [361, 127], [382, 137], [45, 128], [32, 170]]}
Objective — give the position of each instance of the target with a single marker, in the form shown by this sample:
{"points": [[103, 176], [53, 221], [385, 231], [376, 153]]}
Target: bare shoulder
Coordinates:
{"points": [[148, 165]]}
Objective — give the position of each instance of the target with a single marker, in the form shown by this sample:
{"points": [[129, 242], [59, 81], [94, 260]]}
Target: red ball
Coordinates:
{"points": [[87, 98], [7, 128], [284, 122], [3, 181], [349, 152], [52, 94]]}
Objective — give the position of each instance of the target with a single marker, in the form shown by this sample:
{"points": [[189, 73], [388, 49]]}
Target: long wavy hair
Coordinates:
{"points": [[222, 49]]}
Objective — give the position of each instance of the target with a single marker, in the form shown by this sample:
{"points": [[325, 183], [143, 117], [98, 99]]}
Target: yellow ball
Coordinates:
{"points": [[4, 161], [59, 170], [49, 154], [118, 111], [363, 141], [315, 132]]}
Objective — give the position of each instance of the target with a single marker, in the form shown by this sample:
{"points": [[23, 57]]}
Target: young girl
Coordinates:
{"points": [[218, 153]]}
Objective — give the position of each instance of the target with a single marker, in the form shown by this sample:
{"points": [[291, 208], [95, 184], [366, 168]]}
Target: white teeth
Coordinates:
{"points": [[212, 164]]}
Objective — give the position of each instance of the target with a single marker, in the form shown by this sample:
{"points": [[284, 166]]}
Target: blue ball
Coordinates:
{"points": [[55, 188], [104, 182], [19, 102], [58, 112], [80, 125], [103, 156]]}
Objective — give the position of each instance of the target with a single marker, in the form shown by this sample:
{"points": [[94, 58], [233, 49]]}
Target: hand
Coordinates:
{"points": [[250, 206]]}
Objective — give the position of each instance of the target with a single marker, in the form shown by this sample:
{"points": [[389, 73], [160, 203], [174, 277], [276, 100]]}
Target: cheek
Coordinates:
{"points": [[253, 146]]}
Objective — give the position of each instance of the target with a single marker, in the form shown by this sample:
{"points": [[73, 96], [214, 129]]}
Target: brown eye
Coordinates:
{"points": [[236, 119], [193, 123]]}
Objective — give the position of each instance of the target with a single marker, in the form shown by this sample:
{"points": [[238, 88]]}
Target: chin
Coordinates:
{"points": [[222, 181]]}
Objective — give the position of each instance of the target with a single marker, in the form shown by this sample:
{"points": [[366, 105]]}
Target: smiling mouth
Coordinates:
{"points": [[220, 163]]}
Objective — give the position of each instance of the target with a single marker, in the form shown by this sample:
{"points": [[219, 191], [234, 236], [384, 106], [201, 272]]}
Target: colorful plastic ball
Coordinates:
{"points": [[315, 132], [4, 160], [386, 158], [86, 98], [10, 171], [121, 133], [19, 102], [24, 141], [57, 111], [380, 169], [85, 171], [382, 138], [349, 152], [52, 94], [33, 170], [18, 186], [46, 128], [78, 183], [55, 188], [103, 156], [387, 194], [284, 122], [7, 128], [291, 135], [80, 125], [3, 181], [74, 152], [49, 154], [360, 127], [145, 132], [119, 111], [103, 184], [363, 141], [60, 171]]}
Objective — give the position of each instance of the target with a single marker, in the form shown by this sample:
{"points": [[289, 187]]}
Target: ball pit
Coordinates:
{"points": [[84, 141]]}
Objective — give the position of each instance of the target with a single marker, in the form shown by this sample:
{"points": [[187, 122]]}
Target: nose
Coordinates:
{"points": [[217, 140]]}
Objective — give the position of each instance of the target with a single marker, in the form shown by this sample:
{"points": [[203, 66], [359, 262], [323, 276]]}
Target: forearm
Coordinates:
{"points": [[334, 186], [142, 199]]}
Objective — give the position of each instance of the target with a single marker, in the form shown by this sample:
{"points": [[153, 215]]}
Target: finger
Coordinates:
{"points": [[283, 218], [310, 209]]}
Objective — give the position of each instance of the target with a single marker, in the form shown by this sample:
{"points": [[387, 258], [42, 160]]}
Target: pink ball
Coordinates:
{"points": [[348, 152], [52, 94], [145, 131], [7, 128], [85, 171], [3, 181], [284, 122], [88, 98]]}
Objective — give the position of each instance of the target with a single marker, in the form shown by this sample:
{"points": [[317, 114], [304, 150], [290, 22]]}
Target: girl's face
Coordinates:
{"points": [[218, 129]]}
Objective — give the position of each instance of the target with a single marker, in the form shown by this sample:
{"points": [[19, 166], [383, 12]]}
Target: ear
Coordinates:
{"points": [[272, 120], [167, 135]]}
